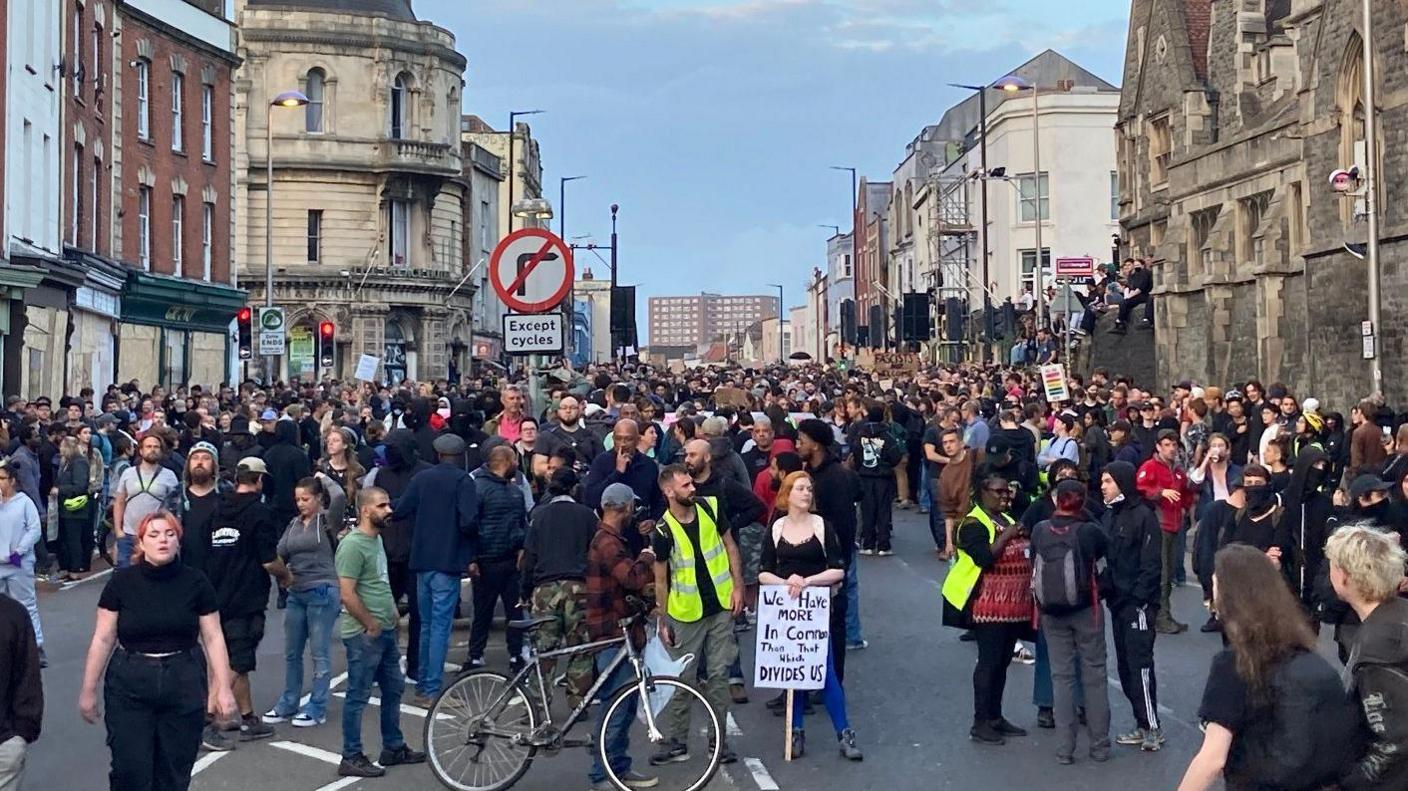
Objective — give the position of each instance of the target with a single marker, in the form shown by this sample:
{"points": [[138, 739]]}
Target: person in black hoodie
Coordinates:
{"points": [[418, 420], [875, 457], [21, 690], [1134, 558], [402, 464], [288, 464], [1304, 524], [1011, 453], [837, 491], [1366, 570], [1368, 506]]}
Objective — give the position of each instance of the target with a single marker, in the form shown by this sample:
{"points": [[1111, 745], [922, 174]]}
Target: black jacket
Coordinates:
{"points": [[288, 464], [837, 490], [21, 690], [559, 536], [1378, 665], [502, 517], [876, 452], [402, 464], [1136, 545], [72, 481], [1011, 453], [739, 504]]}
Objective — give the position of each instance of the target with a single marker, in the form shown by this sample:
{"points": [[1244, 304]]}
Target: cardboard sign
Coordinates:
{"points": [[794, 637], [888, 362], [731, 397], [366, 367], [1053, 378]]}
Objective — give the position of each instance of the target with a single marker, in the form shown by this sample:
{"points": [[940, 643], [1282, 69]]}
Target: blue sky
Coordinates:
{"points": [[712, 122]]}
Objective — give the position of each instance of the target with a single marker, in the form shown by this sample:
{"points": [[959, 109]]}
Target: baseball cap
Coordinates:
{"points": [[618, 495], [106, 419], [252, 464], [269, 414], [1167, 433], [1366, 483], [1186, 384], [205, 447]]}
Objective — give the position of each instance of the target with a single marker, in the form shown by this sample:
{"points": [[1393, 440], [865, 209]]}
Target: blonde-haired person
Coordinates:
{"points": [[1366, 570], [155, 681], [803, 551]]}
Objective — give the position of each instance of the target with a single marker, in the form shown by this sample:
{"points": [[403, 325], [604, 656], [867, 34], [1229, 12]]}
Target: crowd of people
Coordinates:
{"points": [[355, 507]]}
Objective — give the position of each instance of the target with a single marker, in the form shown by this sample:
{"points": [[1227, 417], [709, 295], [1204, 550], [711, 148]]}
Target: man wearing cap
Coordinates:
{"points": [[144, 487], [613, 577], [239, 444], [200, 496], [241, 554], [1166, 486], [443, 503], [1146, 431], [268, 419]]}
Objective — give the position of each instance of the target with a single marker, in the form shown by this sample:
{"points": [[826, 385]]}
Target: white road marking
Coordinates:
{"points": [[731, 726], [760, 775], [205, 761], [325, 756], [75, 583], [338, 784], [334, 684], [930, 580], [406, 708]]}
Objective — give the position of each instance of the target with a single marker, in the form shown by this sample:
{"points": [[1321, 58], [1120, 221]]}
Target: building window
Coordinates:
{"points": [[1253, 211], [398, 107], [97, 202], [178, 106], [78, 70], [207, 229], [1160, 151], [97, 78], [77, 194], [485, 238], [1114, 195], [400, 233], [315, 236], [144, 110], [846, 265], [178, 236], [313, 113], [1029, 267], [1027, 198], [1202, 223], [144, 227], [207, 121]]}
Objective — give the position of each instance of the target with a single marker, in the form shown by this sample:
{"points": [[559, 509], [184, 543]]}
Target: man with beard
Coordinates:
{"points": [[502, 520], [144, 488], [570, 432], [701, 589], [199, 499], [241, 555], [402, 464]]}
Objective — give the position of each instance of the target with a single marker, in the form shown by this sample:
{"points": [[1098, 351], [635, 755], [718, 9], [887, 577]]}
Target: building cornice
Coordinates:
{"points": [[340, 39]]}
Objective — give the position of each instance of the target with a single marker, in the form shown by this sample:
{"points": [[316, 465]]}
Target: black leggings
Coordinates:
{"points": [[155, 714], [995, 644]]}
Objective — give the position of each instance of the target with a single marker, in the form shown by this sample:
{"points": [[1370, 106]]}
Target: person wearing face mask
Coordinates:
{"points": [[1258, 524], [1308, 510], [1369, 505]]}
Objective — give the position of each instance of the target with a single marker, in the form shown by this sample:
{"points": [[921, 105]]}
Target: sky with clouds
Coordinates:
{"points": [[713, 122]]}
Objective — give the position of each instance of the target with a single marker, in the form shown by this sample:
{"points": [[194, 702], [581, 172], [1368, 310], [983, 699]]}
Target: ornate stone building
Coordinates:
{"points": [[369, 189], [1234, 114]]}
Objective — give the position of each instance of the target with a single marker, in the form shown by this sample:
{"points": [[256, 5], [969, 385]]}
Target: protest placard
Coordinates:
{"points": [[794, 636], [366, 367], [1053, 377]]}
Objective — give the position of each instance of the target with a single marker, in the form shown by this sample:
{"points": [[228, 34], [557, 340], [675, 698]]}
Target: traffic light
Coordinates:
{"points": [[326, 344], [245, 322]]}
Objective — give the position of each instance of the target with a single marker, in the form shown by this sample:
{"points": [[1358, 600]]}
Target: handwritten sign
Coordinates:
{"points": [[1053, 378], [794, 637], [366, 367]]}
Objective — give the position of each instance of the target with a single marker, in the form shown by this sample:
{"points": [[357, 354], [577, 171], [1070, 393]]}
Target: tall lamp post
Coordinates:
{"points": [[533, 209], [285, 99], [513, 160], [781, 354], [982, 92], [1371, 196], [1013, 84], [593, 247]]}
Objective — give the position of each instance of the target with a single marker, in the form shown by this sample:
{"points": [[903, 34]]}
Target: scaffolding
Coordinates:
{"points": [[952, 240]]}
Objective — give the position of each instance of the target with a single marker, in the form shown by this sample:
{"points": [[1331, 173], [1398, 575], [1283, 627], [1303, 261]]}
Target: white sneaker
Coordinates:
{"points": [[1022, 655], [273, 717], [301, 720]]}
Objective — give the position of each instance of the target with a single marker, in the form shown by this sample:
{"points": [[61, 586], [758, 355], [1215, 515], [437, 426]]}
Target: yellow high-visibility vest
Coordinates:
{"points": [[685, 604], [963, 577]]}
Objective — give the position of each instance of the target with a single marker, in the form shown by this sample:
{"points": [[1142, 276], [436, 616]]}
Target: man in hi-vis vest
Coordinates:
{"points": [[699, 585]]}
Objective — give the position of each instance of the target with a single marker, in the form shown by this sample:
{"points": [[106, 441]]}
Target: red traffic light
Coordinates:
{"points": [[244, 314], [326, 329]]}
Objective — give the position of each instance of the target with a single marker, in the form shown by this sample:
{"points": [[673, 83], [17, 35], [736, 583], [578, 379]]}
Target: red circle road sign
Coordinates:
{"points": [[531, 270]]}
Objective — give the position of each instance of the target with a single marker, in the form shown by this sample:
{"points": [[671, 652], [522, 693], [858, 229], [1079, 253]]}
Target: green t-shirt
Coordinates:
{"points": [[363, 558]]}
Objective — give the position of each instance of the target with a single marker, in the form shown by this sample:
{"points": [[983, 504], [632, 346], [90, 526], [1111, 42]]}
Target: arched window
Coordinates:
{"points": [[399, 96], [314, 92]]}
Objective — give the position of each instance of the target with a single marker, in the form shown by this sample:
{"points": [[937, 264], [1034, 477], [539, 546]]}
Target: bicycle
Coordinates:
{"points": [[484, 730]]}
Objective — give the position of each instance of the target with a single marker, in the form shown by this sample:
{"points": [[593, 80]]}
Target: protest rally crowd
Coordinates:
{"points": [[360, 509]]}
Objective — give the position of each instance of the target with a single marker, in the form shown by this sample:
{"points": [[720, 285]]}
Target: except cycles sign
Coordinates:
{"points": [[535, 333]]}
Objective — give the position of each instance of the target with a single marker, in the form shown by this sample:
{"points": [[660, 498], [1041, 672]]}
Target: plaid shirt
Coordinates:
{"points": [[612, 575]]}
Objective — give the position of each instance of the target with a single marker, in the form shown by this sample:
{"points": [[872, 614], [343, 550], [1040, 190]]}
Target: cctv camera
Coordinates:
{"points": [[1344, 181], [131, 64]]}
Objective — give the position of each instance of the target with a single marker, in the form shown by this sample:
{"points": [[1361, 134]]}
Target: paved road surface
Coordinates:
{"points": [[909, 699]]}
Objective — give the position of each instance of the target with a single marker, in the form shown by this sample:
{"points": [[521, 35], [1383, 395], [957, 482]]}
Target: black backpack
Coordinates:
{"points": [[1063, 580]]}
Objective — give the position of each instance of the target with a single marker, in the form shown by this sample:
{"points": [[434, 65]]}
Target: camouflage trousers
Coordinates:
{"points": [[565, 602]]}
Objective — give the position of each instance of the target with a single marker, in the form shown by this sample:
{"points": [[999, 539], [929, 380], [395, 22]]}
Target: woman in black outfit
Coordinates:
{"points": [[802, 551], [150, 616], [75, 515]]}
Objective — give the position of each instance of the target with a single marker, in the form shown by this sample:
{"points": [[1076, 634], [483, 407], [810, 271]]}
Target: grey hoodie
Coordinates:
{"points": [[307, 549]]}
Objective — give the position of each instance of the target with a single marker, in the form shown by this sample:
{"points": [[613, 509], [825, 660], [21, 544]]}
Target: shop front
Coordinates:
{"points": [[15, 281], [175, 331], [46, 327], [97, 310]]}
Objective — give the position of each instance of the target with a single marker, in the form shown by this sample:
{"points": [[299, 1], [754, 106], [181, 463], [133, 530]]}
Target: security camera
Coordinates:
{"points": [[1345, 181], [131, 64]]}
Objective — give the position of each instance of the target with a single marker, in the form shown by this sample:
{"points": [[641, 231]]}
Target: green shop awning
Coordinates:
{"points": [[176, 303]]}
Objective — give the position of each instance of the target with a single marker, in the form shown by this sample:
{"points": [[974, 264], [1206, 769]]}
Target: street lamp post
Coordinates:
{"points": [[285, 99], [534, 209], [513, 160], [1371, 197], [1013, 84], [781, 354]]}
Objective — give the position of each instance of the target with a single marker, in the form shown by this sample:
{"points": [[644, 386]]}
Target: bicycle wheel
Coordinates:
{"points": [[470, 746], [703, 743]]}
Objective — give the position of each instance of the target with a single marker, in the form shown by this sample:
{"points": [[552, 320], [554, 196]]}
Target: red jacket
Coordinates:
{"points": [[1154, 477]]}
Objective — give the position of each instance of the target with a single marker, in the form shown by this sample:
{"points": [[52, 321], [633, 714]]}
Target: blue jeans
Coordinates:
{"points": [[124, 550], [618, 730], [1043, 693], [372, 659], [1180, 549], [832, 695], [853, 599], [925, 500], [438, 593], [310, 617]]}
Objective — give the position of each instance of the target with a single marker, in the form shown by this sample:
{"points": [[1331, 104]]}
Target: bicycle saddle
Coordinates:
{"points": [[527, 624]]}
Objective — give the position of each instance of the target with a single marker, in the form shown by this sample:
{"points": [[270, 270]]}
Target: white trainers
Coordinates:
{"points": [[302, 720], [273, 717]]}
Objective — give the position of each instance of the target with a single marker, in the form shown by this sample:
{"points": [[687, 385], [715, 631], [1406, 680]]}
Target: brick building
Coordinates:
{"points": [[1232, 118], [871, 238]]}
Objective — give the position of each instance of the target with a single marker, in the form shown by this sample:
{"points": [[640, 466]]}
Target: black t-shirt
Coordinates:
{"points": [[933, 435], [197, 517], [1227, 701], [663, 543], [1260, 533], [158, 607], [244, 537], [807, 559]]}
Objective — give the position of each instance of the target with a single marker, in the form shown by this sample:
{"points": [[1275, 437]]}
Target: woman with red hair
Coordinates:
{"points": [[153, 617]]}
